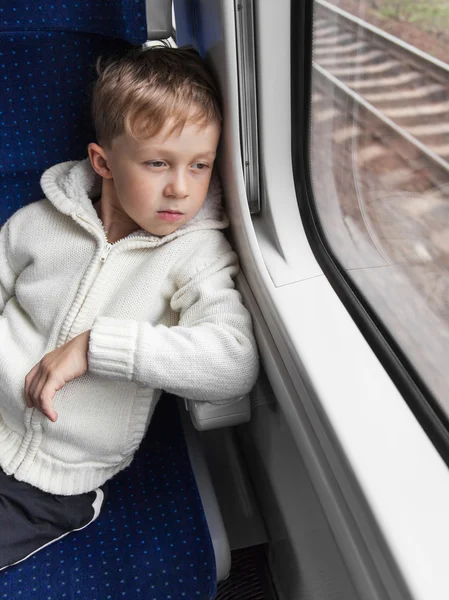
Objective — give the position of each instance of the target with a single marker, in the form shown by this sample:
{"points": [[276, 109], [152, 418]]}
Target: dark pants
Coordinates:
{"points": [[31, 519]]}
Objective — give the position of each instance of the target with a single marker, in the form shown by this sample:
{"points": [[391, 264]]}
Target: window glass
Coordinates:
{"points": [[380, 164]]}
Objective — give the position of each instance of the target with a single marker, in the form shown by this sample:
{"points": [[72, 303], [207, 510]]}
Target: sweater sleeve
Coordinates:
{"points": [[7, 274], [210, 355]]}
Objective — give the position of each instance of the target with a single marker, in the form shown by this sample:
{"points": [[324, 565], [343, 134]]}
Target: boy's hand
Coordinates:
{"points": [[55, 370]]}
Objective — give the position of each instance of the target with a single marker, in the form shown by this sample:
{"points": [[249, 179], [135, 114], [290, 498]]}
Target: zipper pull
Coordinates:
{"points": [[106, 252]]}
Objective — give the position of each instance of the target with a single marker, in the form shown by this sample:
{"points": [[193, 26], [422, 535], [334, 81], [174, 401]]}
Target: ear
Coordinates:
{"points": [[99, 160]]}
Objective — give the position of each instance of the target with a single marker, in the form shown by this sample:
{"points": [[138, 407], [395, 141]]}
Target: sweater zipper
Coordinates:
{"points": [[106, 251], [108, 246], [103, 257]]}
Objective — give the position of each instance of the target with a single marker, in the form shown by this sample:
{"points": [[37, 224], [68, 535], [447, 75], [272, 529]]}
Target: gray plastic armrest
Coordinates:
{"points": [[206, 415]]}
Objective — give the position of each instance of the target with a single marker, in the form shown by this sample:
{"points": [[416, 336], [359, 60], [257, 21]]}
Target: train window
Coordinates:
{"points": [[379, 169]]}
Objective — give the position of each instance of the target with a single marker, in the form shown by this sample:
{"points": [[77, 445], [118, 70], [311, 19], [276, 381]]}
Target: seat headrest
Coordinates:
{"points": [[123, 19]]}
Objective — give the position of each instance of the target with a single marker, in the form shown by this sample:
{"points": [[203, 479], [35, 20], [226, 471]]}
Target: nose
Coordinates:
{"points": [[177, 186]]}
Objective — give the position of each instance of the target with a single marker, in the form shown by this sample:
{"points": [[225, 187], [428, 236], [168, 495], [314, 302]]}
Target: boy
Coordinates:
{"points": [[116, 286]]}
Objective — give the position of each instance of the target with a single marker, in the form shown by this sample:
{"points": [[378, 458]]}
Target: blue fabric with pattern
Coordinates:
{"points": [[123, 19], [44, 107], [152, 540], [48, 52]]}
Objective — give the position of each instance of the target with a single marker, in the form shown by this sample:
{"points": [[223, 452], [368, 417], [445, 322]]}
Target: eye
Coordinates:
{"points": [[200, 166], [155, 163]]}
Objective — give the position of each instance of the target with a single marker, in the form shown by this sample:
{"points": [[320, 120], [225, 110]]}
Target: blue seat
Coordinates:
{"points": [[47, 64], [152, 540]]}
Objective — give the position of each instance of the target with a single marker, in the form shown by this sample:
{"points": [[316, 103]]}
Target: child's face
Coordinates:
{"points": [[161, 182]]}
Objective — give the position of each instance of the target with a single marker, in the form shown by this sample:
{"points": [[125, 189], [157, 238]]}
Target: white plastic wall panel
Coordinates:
{"points": [[381, 483]]}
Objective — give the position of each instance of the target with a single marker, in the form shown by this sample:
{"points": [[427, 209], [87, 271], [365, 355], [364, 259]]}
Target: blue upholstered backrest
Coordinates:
{"points": [[152, 540], [48, 52]]}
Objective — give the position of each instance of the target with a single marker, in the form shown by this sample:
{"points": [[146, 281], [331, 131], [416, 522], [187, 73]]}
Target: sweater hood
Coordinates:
{"points": [[71, 187]]}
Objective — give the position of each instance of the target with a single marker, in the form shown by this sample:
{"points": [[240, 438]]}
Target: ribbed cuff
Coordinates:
{"points": [[111, 348]]}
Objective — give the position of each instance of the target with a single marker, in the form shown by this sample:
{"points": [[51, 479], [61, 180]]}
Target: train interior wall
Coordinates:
{"points": [[304, 558], [262, 483]]}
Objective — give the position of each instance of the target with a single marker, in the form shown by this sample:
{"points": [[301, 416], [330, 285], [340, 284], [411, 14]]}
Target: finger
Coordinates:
{"points": [[47, 396], [28, 380], [46, 403], [40, 379], [30, 383]]}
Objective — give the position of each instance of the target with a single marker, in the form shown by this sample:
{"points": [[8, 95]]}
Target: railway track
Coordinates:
{"points": [[389, 107], [394, 81], [380, 169]]}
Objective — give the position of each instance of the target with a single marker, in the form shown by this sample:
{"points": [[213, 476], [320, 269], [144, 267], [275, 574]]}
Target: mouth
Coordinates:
{"points": [[170, 215]]}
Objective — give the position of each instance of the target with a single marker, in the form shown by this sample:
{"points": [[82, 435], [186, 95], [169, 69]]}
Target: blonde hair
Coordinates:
{"points": [[140, 92]]}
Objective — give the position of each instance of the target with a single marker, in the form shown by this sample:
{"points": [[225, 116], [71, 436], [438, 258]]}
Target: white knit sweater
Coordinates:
{"points": [[164, 314]]}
